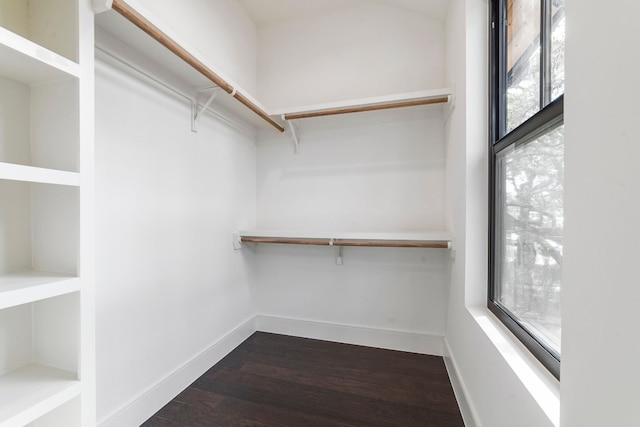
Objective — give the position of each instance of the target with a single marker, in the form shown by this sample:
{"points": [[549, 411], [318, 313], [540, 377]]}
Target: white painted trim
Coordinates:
{"points": [[542, 386], [416, 342], [467, 409], [141, 407]]}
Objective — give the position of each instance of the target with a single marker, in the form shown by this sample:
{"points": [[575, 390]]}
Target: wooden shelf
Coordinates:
{"points": [[149, 46], [402, 100], [441, 240], [30, 392], [27, 62], [15, 172], [122, 39], [23, 288]]}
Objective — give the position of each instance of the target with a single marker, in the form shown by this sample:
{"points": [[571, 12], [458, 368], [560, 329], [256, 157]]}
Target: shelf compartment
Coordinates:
{"points": [[15, 172], [40, 125], [26, 62], [49, 24], [439, 240], [43, 332], [39, 358], [23, 288], [40, 228], [34, 390]]}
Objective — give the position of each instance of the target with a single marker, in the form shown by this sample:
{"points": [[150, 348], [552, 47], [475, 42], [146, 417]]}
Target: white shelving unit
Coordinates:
{"points": [[46, 192]]}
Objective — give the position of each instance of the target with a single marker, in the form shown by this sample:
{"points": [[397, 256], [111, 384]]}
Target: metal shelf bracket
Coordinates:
{"points": [[236, 240], [197, 111], [339, 259], [452, 106], [293, 128]]}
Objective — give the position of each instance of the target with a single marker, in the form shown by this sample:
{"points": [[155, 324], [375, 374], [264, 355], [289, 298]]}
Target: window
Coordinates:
{"points": [[526, 172]]}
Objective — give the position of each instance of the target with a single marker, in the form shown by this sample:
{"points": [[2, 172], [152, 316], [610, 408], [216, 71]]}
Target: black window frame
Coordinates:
{"points": [[550, 115]]}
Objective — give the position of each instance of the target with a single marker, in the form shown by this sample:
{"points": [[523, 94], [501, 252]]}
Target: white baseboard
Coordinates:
{"points": [[469, 414], [373, 337], [140, 408]]}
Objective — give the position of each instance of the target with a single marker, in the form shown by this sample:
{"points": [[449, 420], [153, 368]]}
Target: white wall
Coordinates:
{"points": [[220, 30], [599, 349], [165, 210], [389, 298], [375, 172], [503, 386], [600, 293], [172, 294], [169, 284], [369, 50]]}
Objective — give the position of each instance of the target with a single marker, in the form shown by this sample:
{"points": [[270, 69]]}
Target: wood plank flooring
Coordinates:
{"points": [[277, 380]]}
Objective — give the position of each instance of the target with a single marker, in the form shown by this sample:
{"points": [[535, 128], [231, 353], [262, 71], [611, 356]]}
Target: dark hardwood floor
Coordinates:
{"points": [[277, 380]]}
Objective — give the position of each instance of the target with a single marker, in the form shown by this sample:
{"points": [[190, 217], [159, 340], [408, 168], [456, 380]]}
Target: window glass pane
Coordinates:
{"points": [[557, 49], [523, 61], [529, 206]]}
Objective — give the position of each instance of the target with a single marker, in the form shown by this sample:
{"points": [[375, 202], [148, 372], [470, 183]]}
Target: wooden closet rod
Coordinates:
{"points": [[131, 15], [383, 106], [287, 241], [392, 244]]}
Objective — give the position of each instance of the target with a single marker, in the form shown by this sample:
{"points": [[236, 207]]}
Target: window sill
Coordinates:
{"points": [[543, 387]]}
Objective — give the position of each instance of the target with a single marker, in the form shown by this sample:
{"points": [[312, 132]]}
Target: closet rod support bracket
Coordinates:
{"points": [[339, 259], [237, 241], [197, 111], [293, 127], [451, 105]]}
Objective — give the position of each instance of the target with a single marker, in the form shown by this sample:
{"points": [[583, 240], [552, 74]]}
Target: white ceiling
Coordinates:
{"points": [[265, 11]]}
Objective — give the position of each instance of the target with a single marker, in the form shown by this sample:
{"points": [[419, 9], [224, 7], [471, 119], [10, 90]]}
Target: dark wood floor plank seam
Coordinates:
{"points": [[301, 353], [414, 397], [315, 400], [268, 340], [276, 416], [348, 367], [340, 365], [390, 366]]}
